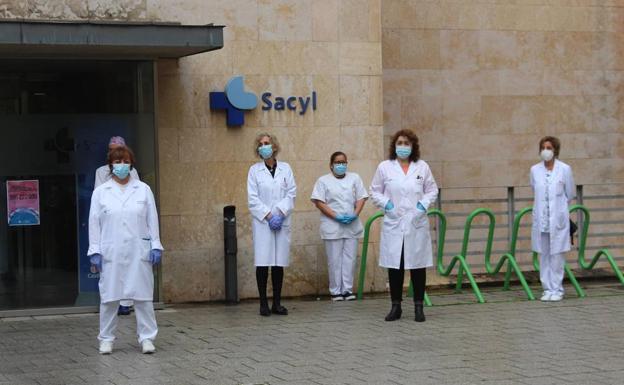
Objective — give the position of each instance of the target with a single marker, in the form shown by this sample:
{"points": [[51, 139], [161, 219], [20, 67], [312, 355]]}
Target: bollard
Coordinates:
{"points": [[230, 246]]}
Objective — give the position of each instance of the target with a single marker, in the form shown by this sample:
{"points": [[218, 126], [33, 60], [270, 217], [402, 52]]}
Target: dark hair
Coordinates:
{"points": [[555, 143], [120, 153], [411, 136], [336, 154]]}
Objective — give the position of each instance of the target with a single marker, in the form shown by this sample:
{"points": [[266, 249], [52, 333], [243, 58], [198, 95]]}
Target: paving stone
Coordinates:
{"points": [[507, 340]]}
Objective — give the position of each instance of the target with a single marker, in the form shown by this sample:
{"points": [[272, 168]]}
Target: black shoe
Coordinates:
{"points": [[348, 296], [279, 310], [123, 310], [419, 314], [395, 312], [265, 311]]}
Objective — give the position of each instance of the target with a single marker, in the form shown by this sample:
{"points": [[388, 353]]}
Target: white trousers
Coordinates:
{"points": [[145, 318], [125, 302], [341, 258], [551, 268]]}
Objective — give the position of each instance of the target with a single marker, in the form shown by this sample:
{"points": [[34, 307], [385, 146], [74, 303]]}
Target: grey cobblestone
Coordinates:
{"points": [[505, 341]]}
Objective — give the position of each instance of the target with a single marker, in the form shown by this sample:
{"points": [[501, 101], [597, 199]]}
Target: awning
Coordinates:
{"points": [[109, 40]]}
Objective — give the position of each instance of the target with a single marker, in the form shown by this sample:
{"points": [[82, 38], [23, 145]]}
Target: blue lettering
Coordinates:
{"points": [[266, 99], [304, 103], [314, 100], [289, 103], [279, 104]]}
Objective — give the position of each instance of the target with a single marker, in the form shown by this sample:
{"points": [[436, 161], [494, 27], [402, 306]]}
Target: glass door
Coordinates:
{"points": [[56, 118]]}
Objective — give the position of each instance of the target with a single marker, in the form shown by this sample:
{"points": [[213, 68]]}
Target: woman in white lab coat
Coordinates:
{"points": [[404, 187], [340, 197], [124, 244], [553, 189], [271, 192], [102, 175]]}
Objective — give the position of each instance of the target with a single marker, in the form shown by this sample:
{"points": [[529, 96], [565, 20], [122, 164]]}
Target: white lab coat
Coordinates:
{"points": [[405, 224], [267, 194], [123, 228], [103, 175], [340, 194], [561, 192]]}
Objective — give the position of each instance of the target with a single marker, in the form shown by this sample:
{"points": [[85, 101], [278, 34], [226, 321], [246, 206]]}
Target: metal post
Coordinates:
{"points": [[230, 245], [511, 214], [579, 214]]}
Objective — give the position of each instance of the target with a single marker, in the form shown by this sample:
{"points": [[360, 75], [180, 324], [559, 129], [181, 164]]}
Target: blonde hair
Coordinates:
{"points": [[274, 142]]}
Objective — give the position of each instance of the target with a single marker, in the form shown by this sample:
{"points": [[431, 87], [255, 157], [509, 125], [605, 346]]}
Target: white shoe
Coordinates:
{"points": [[147, 347], [546, 297], [106, 347], [556, 297]]}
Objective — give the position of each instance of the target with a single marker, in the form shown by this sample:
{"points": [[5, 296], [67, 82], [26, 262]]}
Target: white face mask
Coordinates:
{"points": [[547, 155]]}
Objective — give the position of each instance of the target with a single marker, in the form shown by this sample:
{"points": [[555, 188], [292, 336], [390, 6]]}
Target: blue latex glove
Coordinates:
{"points": [[275, 223], [351, 218], [389, 206], [155, 256], [420, 207], [342, 219], [96, 262]]}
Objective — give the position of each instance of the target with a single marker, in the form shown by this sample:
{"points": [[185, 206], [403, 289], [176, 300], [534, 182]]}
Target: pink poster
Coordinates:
{"points": [[23, 202]]}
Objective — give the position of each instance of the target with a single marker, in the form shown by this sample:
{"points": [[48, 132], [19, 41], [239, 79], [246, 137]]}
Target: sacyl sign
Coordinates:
{"points": [[235, 101]]}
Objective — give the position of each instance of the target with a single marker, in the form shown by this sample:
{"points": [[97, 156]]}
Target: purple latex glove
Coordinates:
{"points": [[155, 256]]}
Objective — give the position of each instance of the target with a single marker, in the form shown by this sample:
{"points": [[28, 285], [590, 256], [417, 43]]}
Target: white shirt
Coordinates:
{"points": [[341, 195], [545, 222]]}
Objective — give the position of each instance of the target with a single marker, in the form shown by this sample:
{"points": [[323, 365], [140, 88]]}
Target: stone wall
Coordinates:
{"points": [[482, 80], [288, 47]]}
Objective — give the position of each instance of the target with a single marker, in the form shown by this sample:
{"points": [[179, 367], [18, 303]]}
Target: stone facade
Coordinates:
{"points": [[480, 81]]}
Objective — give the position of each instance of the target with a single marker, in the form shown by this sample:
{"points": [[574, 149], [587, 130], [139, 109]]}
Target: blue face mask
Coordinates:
{"points": [[121, 170], [340, 169], [265, 151], [403, 152]]}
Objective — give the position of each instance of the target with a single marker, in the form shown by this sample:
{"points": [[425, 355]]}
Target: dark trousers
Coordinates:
{"points": [[396, 277], [277, 279]]}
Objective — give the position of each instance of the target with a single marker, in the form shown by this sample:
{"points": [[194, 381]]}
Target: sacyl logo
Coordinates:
{"points": [[235, 100]]}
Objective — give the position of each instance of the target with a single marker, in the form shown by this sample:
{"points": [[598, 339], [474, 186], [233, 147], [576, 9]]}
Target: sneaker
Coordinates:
{"points": [[147, 347], [123, 310], [545, 297], [106, 347], [348, 296], [556, 297], [337, 297]]}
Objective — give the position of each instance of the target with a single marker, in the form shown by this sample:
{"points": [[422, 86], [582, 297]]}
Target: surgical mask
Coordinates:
{"points": [[547, 155], [340, 169], [265, 151], [121, 170], [403, 152]]}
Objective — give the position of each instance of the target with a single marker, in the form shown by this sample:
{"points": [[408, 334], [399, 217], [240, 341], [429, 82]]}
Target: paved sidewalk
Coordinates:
{"points": [[505, 341]]}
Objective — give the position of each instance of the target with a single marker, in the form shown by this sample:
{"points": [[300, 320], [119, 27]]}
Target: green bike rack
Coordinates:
{"points": [[367, 226], [509, 258], [579, 290], [461, 258]]}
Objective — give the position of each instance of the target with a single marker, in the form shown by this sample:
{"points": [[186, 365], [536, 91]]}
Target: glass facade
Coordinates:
{"points": [[56, 118]]}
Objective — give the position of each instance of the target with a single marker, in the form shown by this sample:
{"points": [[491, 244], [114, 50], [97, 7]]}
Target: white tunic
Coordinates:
{"points": [[123, 228], [341, 195], [103, 174], [267, 194], [405, 225], [556, 195]]}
